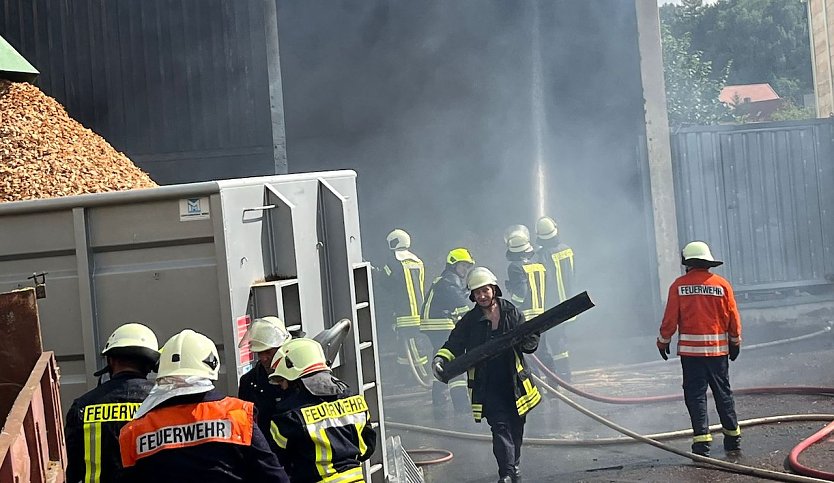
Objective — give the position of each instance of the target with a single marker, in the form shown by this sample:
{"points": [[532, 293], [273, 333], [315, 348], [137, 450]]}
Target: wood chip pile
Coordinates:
{"points": [[44, 153]]}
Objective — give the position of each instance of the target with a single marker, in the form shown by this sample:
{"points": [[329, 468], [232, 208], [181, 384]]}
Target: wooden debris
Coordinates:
{"points": [[44, 153]]}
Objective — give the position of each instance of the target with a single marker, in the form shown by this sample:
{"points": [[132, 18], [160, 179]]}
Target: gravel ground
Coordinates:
{"points": [[801, 363]]}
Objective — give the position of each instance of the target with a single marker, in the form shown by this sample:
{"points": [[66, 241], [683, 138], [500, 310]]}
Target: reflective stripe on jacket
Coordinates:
{"points": [[229, 420], [702, 308], [406, 285], [558, 258], [473, 330], [446, 302], [323, 438], [526, 285], [93, 424]]}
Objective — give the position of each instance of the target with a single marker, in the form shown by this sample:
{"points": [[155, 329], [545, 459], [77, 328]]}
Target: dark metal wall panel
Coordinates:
{"points": [[760, 194], [159, 79]]}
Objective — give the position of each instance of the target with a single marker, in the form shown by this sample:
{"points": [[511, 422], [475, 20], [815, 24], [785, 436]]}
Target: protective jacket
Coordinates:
{"points": [[405, 280], [557, 257], [255, 387], [93, 424], [323, 438], [702, 307], [526, 285], [446, 302], [199, 437], [475, 329]]}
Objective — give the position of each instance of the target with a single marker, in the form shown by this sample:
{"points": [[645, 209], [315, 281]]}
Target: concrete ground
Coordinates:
{"points": [[807, 362]]}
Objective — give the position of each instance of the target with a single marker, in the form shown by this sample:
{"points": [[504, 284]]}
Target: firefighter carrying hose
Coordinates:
{"points": [[263, 337], [95, 419], [702, 308], [446, 302], [557, 257], [502, 390], [187, 431], [404, 286], [323, 432]]}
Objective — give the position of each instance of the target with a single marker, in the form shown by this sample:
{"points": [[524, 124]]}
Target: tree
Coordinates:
{"points": [[763, 40], [692, 88]]}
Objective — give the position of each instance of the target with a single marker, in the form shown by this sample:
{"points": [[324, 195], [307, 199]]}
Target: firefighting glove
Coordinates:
{"points": [[437, 368], [663, 347], [734, 350]]}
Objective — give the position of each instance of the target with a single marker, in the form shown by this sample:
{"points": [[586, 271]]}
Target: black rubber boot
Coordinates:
{"points": [[515, 477], [700, 449], [505, 479], [732, 443]]}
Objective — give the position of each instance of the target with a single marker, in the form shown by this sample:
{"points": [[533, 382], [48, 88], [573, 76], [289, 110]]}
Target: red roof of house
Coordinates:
{"points": [[755, 93]]}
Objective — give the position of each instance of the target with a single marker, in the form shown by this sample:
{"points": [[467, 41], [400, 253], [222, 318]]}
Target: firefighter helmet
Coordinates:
{"points": [[398, 240], [697, 253], [546, 228], [298, 358], [189, 353], [480, 277], [265, 333], [458, 255], [518, 243], [516, 230], [132, 340]]}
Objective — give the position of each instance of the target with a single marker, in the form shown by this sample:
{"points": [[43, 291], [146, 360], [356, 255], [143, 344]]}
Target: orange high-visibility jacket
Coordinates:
{"points": [[228, 420], [702, 308]]}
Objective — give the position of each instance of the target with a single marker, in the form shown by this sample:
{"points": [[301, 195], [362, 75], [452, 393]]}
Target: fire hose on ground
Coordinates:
{"points": [[793, 457], [653, 439]]}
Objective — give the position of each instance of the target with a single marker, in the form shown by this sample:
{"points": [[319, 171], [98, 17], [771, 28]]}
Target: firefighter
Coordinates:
{"points": [[557, 257], [446, 302], [404, 285], [323, 432], [263, 337], [187, 431], [701, 307], [502, 390], [94, 419], [525, 276]]}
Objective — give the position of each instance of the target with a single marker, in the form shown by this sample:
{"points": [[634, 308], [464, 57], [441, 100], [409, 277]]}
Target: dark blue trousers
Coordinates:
{"points": [[698, 374]]}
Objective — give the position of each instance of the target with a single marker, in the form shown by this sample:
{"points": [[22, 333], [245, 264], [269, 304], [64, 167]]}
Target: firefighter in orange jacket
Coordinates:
{"points": [[702, 308], [187, 431]]}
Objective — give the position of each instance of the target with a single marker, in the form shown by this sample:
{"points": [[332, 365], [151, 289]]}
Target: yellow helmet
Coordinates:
{"points": [[519, 243], [189, 353], [516, 230], [546, 228], [698, 253], [398, 240], [265, 333], [132, 340], [298, 358], [458, 255]]}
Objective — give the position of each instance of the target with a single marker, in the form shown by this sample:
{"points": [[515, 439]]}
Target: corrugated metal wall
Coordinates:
{"points": [[762, 195], [181, 87]]}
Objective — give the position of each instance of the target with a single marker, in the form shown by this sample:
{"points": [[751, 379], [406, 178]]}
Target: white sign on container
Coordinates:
{"points": [[194, 209]]}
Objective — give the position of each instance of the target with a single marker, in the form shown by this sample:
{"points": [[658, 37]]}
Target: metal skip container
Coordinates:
{"points": [[208, 256]]}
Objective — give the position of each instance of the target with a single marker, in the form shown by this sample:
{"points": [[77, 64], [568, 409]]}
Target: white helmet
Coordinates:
{"points": [[546, 228], [398, 240], [516, 230], [132, 340], [265, 333], [518, 243], [298, 358], [698, 253], [479, 277], [189, 353]]}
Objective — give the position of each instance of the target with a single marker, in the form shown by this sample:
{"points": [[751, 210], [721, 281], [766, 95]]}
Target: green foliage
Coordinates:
{"points": [[691, 89], [746, 41], [790, 112]]}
